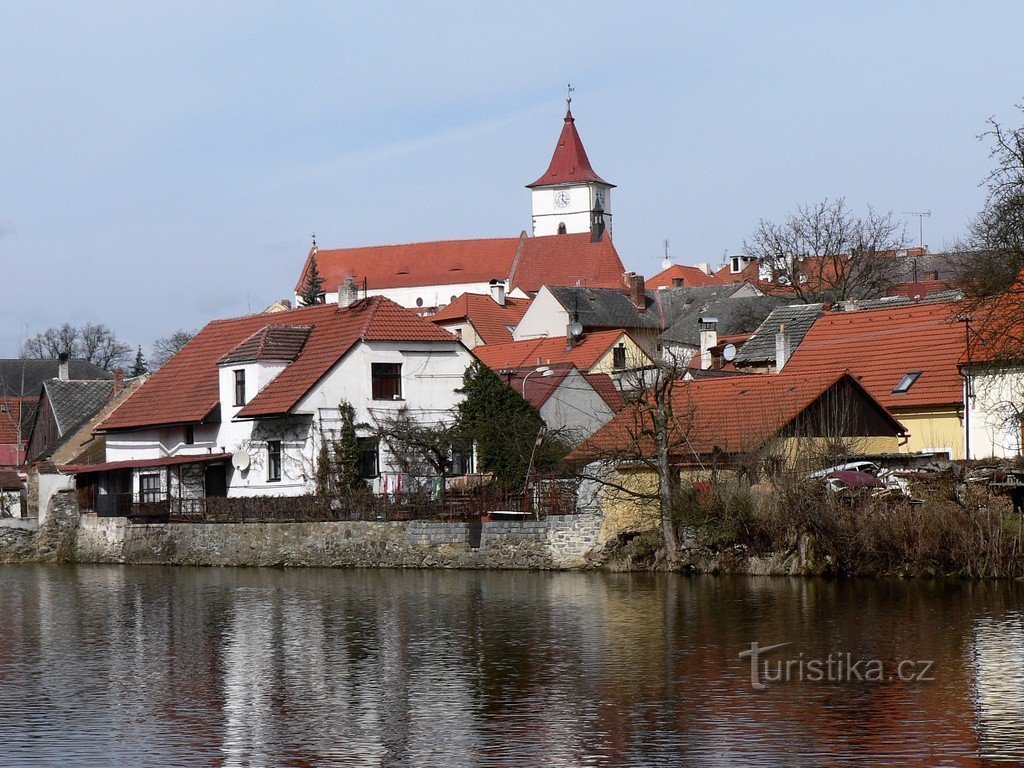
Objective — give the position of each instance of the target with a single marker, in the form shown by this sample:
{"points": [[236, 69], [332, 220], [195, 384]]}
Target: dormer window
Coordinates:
{"points": [[736, 268], [239, 388], [906, 382]]}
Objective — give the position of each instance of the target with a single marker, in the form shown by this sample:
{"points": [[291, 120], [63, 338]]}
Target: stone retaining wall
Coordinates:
{"points": [[554, 543]]}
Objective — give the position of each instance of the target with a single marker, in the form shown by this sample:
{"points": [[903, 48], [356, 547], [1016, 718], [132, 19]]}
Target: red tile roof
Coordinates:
{"points": [[526, 262], [488, 317], [691, 276], [880, 346], [731, 414], [567, 260], [997, 326], [186, 389], [534, 386], [605, 387], [569, 163], [10, 417], [547, 351], [280, 343]]}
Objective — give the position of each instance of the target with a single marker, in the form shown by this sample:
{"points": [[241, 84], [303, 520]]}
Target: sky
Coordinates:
{"points": [[163, 165]]}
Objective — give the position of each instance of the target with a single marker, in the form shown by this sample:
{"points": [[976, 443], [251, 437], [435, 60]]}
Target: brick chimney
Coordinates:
{"points": [[118, 380], [782, 350], [637, 292], [62, 366], [708, 339]]}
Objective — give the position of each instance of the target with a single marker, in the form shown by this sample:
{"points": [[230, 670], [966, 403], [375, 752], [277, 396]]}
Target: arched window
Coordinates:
{"points": [[561, 227]]}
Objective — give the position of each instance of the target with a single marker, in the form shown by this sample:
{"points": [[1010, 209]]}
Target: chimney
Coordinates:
{"points": [[637, 295], [708, 339], [62, 366], [118, 380], [627, 279], [348, 292], [498, 291], [781, 348]]}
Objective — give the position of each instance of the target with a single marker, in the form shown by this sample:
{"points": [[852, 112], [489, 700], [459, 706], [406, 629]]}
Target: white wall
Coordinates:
{"points": [[576, 215], [995, 410], [545, 317], [575, 408], [431, 372], [415, 297]]}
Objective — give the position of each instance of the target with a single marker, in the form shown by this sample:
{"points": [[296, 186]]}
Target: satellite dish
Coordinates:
{"points": [[575, 329], [729, 352], [241, 460]]}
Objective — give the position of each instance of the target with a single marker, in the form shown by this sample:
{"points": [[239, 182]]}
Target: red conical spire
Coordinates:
{"points": [[569, 164]]}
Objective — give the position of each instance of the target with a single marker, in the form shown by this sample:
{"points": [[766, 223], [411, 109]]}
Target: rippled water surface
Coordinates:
{"points": [[107, 665]]}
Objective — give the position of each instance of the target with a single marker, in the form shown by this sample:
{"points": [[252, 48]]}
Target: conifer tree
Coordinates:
{"points": [[313, 288], [140, 367]]}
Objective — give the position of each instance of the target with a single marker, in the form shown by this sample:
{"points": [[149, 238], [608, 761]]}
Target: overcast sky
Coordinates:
{"points": [[162, 167]]}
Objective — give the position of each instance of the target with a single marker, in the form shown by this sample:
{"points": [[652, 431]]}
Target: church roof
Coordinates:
{"points": [[569, 163], [526, 262]]}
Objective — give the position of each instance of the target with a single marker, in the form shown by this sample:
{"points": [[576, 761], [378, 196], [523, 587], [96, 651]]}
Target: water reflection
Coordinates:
{"points": [[154, 666]]}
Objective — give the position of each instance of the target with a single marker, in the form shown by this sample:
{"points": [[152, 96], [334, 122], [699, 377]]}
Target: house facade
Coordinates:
{"points": [[245, 407]]}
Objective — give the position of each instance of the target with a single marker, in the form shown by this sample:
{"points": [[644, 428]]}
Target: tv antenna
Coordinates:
{"points": [[666, 262], [921, 216]]}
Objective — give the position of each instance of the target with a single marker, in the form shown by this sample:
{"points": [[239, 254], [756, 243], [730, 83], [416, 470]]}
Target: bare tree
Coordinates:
{"points": [[826, 252], [93, 342], [167, 347], [989, 259]]}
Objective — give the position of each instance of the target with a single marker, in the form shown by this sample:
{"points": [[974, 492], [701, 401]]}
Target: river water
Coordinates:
{"points": [[111, 666]]}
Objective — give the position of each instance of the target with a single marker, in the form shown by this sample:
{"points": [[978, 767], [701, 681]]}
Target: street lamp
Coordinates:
{"points": [[543, 371]]}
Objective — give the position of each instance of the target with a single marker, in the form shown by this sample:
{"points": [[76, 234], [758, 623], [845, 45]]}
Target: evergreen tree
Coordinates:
{"points": [[140, 367], [502, 423], [313, 288], [338, 459]]}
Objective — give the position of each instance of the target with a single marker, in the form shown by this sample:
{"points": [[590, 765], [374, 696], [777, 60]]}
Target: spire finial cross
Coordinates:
{"points": [[568, 96], [314, 240]]}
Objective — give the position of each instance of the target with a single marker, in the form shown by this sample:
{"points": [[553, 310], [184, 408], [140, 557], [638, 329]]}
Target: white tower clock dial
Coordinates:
{"points": [[561, 198]]}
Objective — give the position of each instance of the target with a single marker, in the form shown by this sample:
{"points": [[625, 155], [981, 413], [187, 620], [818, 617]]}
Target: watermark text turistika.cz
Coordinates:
{"points": [[834, 668]]}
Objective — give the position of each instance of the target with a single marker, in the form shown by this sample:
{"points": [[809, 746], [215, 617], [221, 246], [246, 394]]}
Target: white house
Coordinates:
{"points": [[243, 408]]}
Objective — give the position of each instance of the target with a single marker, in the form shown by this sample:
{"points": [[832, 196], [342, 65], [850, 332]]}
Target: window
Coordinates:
{"points": [[561, 228], [907, 382], [190, 435], [386, 381], [619, 357], [736, 264], [273, 461], [149, 489], [239, 387], [462, 460], [369, 457]]}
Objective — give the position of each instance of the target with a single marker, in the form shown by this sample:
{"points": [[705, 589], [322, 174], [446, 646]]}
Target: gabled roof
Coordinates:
{"points": [[740, 315], [186, 389], [525, 262], [547, 351], [535, 387], [691, 277], [605, 387], [23, 377], [797, 318], [569, 163], [997, 326], [571, 259], [489, 318], [75, 402], [727, 414], [880, 346], [605, 307], [274, 343]]}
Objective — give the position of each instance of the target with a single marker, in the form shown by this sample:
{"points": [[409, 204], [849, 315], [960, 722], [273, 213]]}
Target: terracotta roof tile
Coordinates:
{"points": [[881, 346], [281, 343], [567, 260], [549, 350], [569, 163], [489, 318], [729, 414], [605, 387], [691, 276], [185, 390]]}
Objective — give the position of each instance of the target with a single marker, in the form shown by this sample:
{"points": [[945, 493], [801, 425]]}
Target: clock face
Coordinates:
{"points": [[561, 198]]}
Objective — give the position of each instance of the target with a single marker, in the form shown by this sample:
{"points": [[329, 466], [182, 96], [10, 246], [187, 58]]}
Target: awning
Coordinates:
{"points": [[163, 461]]}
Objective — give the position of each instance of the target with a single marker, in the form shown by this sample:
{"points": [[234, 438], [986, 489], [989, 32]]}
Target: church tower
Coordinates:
{"points": [[570, 197]]}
